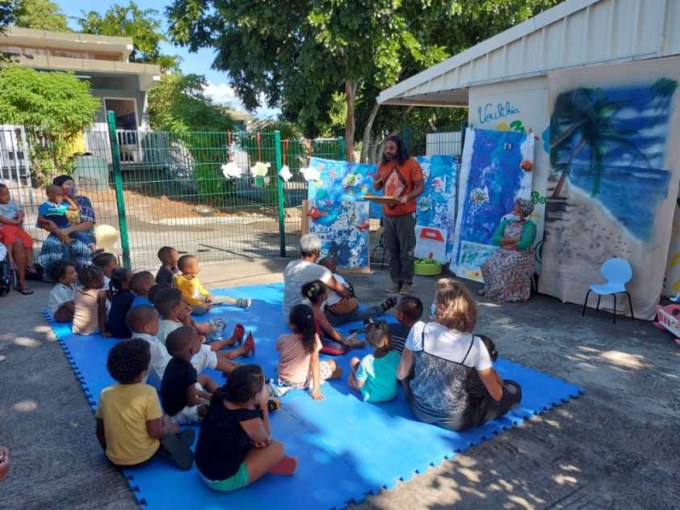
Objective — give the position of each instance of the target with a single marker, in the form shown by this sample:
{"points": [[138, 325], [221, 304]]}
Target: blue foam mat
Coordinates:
{"points": [[346, 448]]}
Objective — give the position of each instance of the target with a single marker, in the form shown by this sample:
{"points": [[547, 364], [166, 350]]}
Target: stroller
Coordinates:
{"points": [[6, 273]]}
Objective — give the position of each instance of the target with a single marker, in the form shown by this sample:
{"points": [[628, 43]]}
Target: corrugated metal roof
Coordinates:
{"points": [[573, 33]]}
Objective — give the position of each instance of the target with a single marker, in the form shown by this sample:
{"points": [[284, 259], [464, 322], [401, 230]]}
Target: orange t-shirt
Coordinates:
{"points": [[399, 180]]}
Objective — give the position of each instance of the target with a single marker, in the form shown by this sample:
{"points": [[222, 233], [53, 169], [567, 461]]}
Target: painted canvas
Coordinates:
{"points": [[495, 171], [606, 188], [437, 204], [343, 230], [340, 181]]}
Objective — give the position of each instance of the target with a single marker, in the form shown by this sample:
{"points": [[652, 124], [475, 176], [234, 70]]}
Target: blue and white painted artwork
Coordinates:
{"points": [[437, 204], [343, 230], [608, 190], [340, 181], [492, 177]]}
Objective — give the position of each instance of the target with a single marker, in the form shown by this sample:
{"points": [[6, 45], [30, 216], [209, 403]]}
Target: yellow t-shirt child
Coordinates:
{"points": [[192, 291], [125, 409]]}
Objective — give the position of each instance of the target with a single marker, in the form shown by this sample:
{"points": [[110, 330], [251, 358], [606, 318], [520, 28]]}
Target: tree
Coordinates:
{"points": [[178, 104], [53, 107], [9, 12], [143, 26], [42, 15], [304, 56]]}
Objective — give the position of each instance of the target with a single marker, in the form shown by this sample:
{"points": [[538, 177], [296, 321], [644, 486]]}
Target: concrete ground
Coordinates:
{"points": [[614, 447]]}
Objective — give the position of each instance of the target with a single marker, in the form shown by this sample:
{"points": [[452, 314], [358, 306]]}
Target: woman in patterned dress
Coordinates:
{"points": [[508, 272], [58, 244], [438, 359]]}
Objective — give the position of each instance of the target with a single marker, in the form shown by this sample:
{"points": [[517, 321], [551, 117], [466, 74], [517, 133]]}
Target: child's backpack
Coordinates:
{"points": [[6, 278]]}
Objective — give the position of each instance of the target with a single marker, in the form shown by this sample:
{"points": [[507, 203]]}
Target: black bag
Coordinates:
{"points": [[6, 277]]}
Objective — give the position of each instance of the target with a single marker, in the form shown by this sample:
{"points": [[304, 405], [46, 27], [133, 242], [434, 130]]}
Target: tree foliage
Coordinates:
{"points": [[178, 104], [53, 107], [307, 57], [42, 15], [142, 25]]}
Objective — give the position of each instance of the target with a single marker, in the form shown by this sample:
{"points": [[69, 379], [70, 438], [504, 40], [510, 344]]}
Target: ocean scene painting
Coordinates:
{"points": [[343, 230], [607, 186], [495, 171]]}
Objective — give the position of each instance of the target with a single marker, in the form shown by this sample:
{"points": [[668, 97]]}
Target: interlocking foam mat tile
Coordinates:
{"points": [[346, 448]]}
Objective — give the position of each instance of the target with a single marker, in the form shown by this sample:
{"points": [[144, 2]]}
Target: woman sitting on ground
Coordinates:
{"points": [[438, 359], [58, 244], [508, 272]]}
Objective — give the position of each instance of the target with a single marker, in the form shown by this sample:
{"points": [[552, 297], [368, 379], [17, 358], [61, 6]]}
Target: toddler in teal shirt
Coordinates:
{"points": [[375, 376]]}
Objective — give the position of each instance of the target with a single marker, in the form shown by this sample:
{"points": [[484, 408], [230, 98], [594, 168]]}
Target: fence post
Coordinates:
{"points": [[118, 184], [279, 186], [342, 154]]}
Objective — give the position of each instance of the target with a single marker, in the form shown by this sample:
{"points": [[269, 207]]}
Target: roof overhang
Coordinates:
{"points": [[67, 41], [147, 74]]}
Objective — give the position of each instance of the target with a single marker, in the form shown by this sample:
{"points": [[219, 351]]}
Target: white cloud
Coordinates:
{"points": [[223, 94]]}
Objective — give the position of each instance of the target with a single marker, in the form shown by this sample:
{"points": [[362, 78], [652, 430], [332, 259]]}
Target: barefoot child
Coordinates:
{"points": [[61, 302], [131, 428], [375, 376], [89, 311], [194, 293], [315, 294], [183, 391], [166, 273], [121, 302], [299, 365], [234, 447]]}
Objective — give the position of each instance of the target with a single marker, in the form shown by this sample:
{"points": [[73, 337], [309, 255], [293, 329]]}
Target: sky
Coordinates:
{"points": [[197, 63]]}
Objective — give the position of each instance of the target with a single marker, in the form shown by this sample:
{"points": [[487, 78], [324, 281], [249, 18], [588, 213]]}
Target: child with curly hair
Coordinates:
{"points": [[61, 302], [89, 311]]}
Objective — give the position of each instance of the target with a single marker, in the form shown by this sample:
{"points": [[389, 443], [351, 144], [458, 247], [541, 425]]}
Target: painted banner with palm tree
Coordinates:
{"points": [[608, 179]]}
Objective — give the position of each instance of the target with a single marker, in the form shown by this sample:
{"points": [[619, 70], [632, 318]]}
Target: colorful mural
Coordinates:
{"points": [[607, 183], [343, 230], [496, 170], [340, 181]]}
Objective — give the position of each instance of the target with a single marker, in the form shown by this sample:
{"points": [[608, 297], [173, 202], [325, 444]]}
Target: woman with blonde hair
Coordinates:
{"points": [[438, 359]]}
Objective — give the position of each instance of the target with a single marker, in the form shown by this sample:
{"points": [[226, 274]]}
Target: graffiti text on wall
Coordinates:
{"points": [[490, 112]]}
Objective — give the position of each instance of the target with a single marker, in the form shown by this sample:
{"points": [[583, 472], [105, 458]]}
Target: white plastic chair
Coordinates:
{"points": [[617, 272]]}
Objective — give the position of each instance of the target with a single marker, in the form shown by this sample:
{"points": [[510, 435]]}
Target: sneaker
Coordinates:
{"points": [[405, 289], [393, 289], [390, 302], [243, 303]]}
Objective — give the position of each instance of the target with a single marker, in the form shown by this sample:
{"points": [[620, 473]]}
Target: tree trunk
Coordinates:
{"points": [[350, 98], [366, 139]]}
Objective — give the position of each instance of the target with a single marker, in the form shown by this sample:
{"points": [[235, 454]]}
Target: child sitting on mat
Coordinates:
{"points": [[175, 313], [409, 311], [108, 263], [166, 273], [141, 283], [474, 384], [375, 376], [121, 302], [194, 293], [143, 323], [315, 294], [61, 301], [89, 303], [299, 365], [131, 427], [234, 448], [183, 391]]}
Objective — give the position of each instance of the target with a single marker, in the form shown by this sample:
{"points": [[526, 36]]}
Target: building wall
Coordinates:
{"points": [[518, 105]]}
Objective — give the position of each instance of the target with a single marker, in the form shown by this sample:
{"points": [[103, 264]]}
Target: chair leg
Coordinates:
{"points": [[614, 308], [630, 303], [585, 303], [599, 296]]}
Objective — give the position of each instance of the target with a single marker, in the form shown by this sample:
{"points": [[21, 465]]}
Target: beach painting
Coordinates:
{"points": [[496, 169], [343, 230], [607, 186]]}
